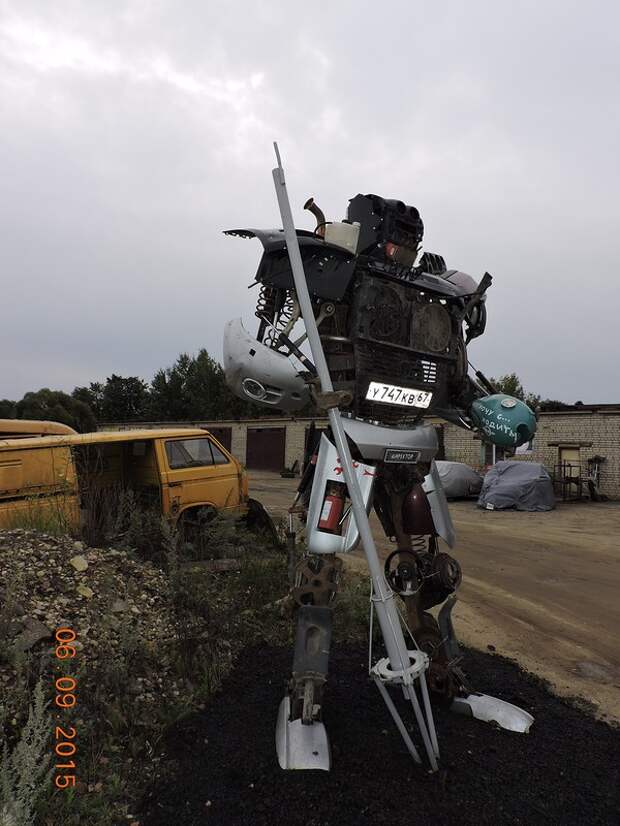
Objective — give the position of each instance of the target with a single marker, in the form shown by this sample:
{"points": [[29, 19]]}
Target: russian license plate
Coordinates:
{"points": [[392, 394]]}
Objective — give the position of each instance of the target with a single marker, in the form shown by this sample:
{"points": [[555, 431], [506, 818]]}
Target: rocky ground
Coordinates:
{"points": [[106, 597], [220, 766], [136, 634]]}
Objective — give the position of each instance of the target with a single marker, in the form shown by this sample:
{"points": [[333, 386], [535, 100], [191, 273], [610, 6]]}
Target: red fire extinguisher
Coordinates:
{"points": [[333, 506]]}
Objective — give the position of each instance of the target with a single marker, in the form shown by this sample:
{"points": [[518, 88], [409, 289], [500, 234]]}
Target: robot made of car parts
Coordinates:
{"points": [[394, 325]]}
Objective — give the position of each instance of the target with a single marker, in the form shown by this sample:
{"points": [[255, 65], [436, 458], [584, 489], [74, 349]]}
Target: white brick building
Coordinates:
{"points": [[572, 437]]}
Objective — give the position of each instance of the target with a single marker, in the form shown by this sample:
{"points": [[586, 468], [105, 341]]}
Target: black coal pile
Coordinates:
{"points": [[220, 766]]}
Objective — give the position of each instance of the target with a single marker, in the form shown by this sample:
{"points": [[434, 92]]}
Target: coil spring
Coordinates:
{"points": [[284, 315], [418, 543], [265, 309], [266, 302]]}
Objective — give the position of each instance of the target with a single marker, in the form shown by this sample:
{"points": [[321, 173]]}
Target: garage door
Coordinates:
{"points": [[223, 435], [265, 448]]}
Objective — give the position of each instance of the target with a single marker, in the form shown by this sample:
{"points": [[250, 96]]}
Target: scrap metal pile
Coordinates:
{"points": [[388, 327]]}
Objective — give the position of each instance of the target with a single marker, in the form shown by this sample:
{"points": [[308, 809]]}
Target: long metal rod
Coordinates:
{"points": [[387, 613], [430, 751], [429, 714], [397, 719]]}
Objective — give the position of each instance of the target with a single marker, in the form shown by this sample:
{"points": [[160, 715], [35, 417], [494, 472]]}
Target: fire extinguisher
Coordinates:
{"points": [[333, 506]]}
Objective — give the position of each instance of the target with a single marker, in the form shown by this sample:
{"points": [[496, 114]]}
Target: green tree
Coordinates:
{"points": [[56, 406], [511, 385], [195, 388], [7, 409], [124, 399], [169, 396], [92, 396]]}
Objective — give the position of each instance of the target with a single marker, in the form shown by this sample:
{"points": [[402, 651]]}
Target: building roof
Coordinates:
{"points": [[584, 408]]}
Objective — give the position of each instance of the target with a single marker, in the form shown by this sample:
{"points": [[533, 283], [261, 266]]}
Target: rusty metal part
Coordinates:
{"points": [[392, 486], [326, 400], [447, 571], [317, 579], [443, 680], [318, 214], [417, 516], [428, 636], [442, 578]]}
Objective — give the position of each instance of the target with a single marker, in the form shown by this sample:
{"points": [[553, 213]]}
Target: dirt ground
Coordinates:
{"points": [[219, 766], [541, 588]]}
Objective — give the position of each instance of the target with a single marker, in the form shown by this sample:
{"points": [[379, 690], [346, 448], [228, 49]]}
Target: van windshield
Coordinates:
{"points": [[184, 453]]}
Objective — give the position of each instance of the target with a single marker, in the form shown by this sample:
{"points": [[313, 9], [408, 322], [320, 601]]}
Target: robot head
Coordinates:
{"points": [[259, 374]]}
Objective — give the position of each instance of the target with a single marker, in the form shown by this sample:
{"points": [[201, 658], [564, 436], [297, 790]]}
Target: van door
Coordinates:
{"points": [[196, 471], [37, 488]]}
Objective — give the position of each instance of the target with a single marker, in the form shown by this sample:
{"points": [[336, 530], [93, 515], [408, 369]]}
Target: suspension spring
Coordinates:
{"points": [[284, 316], [265, 308]]}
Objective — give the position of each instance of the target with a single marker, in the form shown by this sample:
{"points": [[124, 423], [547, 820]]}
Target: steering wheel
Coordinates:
{"points": [[402, 574]]}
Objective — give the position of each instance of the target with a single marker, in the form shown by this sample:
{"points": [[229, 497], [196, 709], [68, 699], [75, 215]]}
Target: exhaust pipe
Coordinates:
{"points": [[318, 214]]}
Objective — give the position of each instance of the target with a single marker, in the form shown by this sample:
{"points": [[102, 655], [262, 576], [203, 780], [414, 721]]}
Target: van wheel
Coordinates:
{"points": [[193, 527]]}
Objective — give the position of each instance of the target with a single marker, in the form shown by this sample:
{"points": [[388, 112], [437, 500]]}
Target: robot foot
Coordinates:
{"points": [[493, 710], [300, 745], [301, 738], [481, 706]]}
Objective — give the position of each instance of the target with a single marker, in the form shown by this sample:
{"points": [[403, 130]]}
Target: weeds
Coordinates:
{"points": [[352, 607], [47, 514], [25, 772]]}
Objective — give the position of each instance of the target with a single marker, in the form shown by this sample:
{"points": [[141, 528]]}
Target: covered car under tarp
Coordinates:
{"points": [[525, 486], [459, 480]]}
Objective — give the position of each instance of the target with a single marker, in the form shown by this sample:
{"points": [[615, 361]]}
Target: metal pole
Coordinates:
{"points": [[397, 719], [387, 613]]}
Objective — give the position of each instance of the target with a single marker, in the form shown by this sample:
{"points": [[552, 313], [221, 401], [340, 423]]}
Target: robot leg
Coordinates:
{"points": [[301, 738], [425, 577]]}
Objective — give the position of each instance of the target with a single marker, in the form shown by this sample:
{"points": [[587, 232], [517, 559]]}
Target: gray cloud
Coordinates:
{"points": [[131, 134]]}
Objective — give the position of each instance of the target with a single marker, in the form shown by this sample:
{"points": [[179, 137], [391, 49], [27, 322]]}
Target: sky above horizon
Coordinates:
{"points": [[133, 133]]}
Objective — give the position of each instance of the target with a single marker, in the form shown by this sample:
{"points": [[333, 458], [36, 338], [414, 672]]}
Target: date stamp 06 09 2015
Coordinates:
{"points": [[64, 736]]}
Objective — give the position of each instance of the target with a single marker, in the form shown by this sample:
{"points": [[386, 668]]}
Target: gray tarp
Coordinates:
{"points": [[525, 486], [459, 480]]}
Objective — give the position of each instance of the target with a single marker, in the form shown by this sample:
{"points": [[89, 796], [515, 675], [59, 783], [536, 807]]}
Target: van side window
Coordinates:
{"points": [[189, 453], [218, 457], [138, 448]]}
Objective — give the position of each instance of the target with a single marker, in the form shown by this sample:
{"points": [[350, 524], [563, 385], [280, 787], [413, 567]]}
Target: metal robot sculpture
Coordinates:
{"points": [[388, 328]]}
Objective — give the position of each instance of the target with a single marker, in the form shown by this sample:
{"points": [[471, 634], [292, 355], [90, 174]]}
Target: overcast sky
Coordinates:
{"points": [[133, 133]]}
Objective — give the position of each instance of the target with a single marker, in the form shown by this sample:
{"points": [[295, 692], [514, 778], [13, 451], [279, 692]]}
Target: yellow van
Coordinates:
{"points": [[26, 428], [186, 473]]}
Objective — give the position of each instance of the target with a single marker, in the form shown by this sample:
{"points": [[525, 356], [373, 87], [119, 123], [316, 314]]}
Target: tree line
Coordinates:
{"points": [[193, 389], [511, 385]]}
